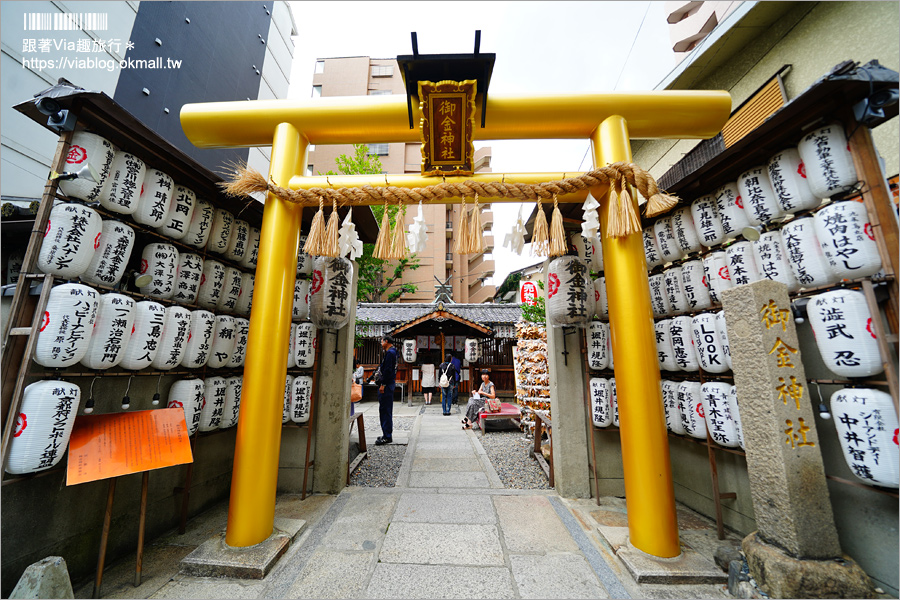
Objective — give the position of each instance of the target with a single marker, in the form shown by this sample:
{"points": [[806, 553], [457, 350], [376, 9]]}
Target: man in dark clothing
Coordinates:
{"points": [[388, 371], [457, 367], [446, 368]]}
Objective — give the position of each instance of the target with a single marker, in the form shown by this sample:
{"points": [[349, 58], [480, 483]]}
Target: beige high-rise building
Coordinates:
{"points": [[471, 276]]}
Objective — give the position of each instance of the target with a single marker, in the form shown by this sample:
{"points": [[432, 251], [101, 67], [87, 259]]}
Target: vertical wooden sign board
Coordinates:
{"points": [[448, 121]]}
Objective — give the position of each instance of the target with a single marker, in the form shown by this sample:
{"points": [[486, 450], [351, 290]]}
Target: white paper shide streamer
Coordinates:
{"points": [[70, 240], [350, 246], [515, 239], [866, 426], [417, 237], [67, 325], [43, 426], [109, 259], [566, 284], [329, 292], [844, 333], [112, 330]]}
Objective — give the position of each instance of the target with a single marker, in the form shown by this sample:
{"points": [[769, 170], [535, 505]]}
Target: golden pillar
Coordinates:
{"points": [[251, 511], [649, 495]]}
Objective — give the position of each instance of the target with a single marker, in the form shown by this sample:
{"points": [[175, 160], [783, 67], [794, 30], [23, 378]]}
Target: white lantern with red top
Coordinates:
{"points": [[201, 224], [710, 351], [601, 400], [848, 240], [40, 435], [683, 344], [301, 398], [672, 407], [220, 231], [771, 259], [112, 329], [730, 207], [596, 253], [741, 263], [305, 336], [245, 296], [199, 340], [252, 253], [213, 409], [223, 340], [232, 408], [664, 351], [329, 292], [693, 282], [674, 291], [187, 277], [705, 212], [188, 395], [409, 351], [866, 427], [693, 416], [70, 240], [844, 333], [715, 267], [160, 262], [212, 281], [567, 292], [597, 345], [109, 259], [155, 202], [804, 253], [173, 342], [231, 290], [685, 232], [143, 344], [178, 221], [601, 302], [242, 330], [659, 301], [237, 242], [665, 239], [91, 157], [717, 411], [651, 249], [829, 164], [122, 189], [722, 330], [760, 201], [787, 174], [68, 324]]}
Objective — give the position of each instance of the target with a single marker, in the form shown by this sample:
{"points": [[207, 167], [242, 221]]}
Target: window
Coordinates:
{"points": [[378, 149], [317, 91], [309, 170], [382, 70], [379, 92], [320, 66]]}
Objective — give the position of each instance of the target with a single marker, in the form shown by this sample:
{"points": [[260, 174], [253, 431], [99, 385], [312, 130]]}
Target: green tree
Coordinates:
{"points": [[538, 312], [373, 284]]}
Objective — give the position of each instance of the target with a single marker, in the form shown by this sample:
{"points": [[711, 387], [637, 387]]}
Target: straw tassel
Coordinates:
{"points": [[660, 203], [462, 240], [398, 237], [315, 240], [540, 239], [476, 241], [382, 242], [330, 239], [558, 245]]}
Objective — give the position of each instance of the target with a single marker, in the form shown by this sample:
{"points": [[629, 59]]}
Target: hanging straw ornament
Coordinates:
{"points": [[418, 233], [316, 232], [557, 233], [330, 239], [515, 239], [383, 241], [623, 219], [398, 238], [349, 244], [462, 240], [476, 242], [540, 239]]}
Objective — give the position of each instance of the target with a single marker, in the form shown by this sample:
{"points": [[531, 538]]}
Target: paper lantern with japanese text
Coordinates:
{"points": [[304, 260], [212, 280], [110, 257], [665, 352], [844, 333], [597, 345], [291, 355], [710, 352], [305, 336], [300, 311], [214, 392], [242, 330], [771, 260], [665, 239], [693, 282], [245, 296], [199, 339], [201, 224], [223, 340], [659, 300], [674, 291], [237, 242], [591, 292], [683, 344], [804, 253], [122, 189], [722, 330], [155, 202], [672, 407], [866, 427], [717, 411], [286, 412], [252, 253], [609, 351], [829, 164], [567, 286], [173, 341], [143, 345], [601, 302], [708, 224], [730, 207], [301, 398], [651, 249], [596, 252], [112, 330], [848, 240], [601, 399], [736, 415], [718, 279], [188, 395], [409, 351], [787, 174], [70, 240], [178, 221], [159, 261], [187, 277], [760, 201], [685, 232], [87, 149], [614, 401], [231, 290], [693, 417], [220, 232], [67, 326], [329, 292], [232, 408], [741, 263], [473, 350], [43, 426]]}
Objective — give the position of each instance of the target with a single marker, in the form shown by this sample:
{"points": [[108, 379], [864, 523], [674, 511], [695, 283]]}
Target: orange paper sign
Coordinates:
{"points": [[105, 446]]}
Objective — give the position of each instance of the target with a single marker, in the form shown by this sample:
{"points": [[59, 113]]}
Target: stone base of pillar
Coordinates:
{"points": [[782, 576]]}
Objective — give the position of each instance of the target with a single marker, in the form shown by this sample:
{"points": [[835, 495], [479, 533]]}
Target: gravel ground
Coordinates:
{"points": [[382, 464], [508, 452]]}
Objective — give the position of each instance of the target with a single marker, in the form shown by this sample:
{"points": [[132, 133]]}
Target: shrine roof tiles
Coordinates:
{"points": [[393, 313]]}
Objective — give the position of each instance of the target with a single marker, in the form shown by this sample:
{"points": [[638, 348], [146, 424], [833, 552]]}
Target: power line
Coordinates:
{"points": [[632, 47]]}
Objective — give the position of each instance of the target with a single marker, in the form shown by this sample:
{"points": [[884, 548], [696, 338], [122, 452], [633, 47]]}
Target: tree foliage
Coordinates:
{"points": [[538, 312]]}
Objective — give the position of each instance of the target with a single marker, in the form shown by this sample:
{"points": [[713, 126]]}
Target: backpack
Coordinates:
{"points": [[445, 381]]}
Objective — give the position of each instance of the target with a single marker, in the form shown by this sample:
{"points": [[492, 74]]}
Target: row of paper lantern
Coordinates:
{"points": [[472, 350], [867, 430], [108, 330], [209, 404], [691, 343], [127, 186]]}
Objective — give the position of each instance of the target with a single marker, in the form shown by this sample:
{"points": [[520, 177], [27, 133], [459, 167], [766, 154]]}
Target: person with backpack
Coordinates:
{"points": [[457, 367], [447, 375], [385, 378]]}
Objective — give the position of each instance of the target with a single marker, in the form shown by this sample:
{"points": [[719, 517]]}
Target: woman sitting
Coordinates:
{"points": [[477, 401]]}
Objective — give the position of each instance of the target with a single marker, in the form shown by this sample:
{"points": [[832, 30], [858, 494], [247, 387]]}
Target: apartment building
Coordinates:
{"points": [[471, 276]]}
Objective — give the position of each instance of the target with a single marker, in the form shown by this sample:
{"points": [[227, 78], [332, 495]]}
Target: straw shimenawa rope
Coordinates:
{"points": [[247, 180], [476, 242], [540, 239], [462, 238], [558, 245], [398, 237], [330, 239], [314, 241], [382, 242]]}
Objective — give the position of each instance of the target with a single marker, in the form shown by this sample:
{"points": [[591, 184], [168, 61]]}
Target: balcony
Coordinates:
{"points": [[488, 243], [482, 265], [487, 220]]}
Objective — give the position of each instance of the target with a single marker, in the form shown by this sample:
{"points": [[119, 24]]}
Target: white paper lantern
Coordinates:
{"points": [[291, 354], [252, 253], [717, 411], [232, 408], [330, 292], [829, 164], [566, 284], [866, 426], [693, 283], [674, 290], [109, 259], [651, 249], [741, 263], [848, 240], [594, 247], [844, 333], [693, 417], [473, 350], [231, 290], [736, 415], [187, 277], [614, 402], [597, 345], [43, 426], [722, 330], [609, 351], [245, 296], [665, 239], [710, 352], [178, 221], [173, 341], [601, 302], [70, 240], [242, 330], [301, 399], [214, 392], [220, 232], [87, 149], [212, 281], [730, 207], [787, 174], [705, 212], [760, 201], [601, 396], [223, 340], [143, 345], [715, 267], [188, 395], [305, 342], [237, 241], [665, 352], [155, 202], [591, 292], [111, 331], [672, 407], [683, 344], [122, 188], [804, 253], [685, 232], [201, 224], [300, 311], [409, 351], [67, 325], [199, 339], [659, 300], [304, 260], [286, 411], [771, 259], [159, 261]]}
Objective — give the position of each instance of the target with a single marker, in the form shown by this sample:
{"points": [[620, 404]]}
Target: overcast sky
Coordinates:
{"points": [[541, 47]]}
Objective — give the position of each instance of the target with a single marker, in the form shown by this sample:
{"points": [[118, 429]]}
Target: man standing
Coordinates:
{"points": [[457, 368], [387, 373]]}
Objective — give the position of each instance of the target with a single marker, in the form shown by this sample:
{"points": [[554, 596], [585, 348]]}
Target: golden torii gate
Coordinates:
{"points": [[608, 120]]}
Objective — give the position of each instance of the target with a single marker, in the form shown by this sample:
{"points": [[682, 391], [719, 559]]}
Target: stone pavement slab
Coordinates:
{"points": [[333, 574], [202, 588], [438, 479], [442, 544], [364, 519], [446, 465], [444, 508], [560, 576], [690, 567], [159, 564], [427, 582], [530, 525], [453, 453]]}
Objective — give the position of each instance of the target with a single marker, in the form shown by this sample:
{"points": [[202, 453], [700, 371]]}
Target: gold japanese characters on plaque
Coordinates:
{"points": [[448, 120]]}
